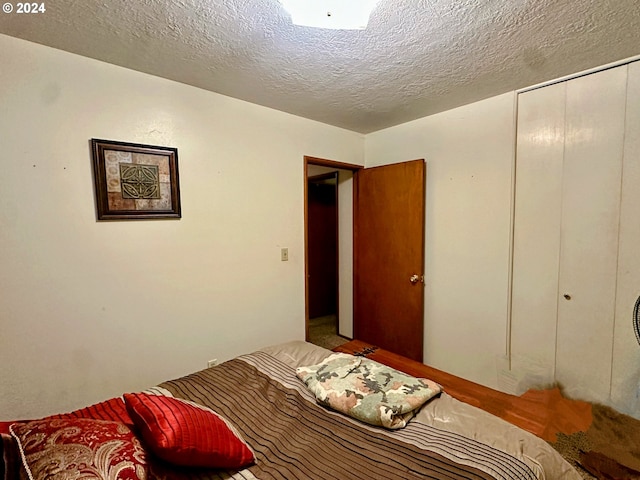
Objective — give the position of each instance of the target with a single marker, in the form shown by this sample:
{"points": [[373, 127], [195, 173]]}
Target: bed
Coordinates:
{"points": [[270, 424]]}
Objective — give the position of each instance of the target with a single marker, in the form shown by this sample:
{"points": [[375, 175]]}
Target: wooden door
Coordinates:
{"points": [[389, 215], [322, 195]]}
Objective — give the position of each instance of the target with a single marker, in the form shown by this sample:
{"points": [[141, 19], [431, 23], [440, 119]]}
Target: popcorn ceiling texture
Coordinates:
{"points": [[416, 58]]}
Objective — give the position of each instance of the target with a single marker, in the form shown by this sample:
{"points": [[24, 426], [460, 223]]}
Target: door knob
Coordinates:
{"points": [[414, 279], [567, 296]]}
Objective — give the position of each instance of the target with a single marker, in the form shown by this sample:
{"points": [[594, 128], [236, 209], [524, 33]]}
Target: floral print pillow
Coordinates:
{"points": [[77, 448]]}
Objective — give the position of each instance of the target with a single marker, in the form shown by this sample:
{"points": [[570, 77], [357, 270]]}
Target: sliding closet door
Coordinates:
{"points": [[567, 216], [625, 382], [538, 202], [592, 174]]}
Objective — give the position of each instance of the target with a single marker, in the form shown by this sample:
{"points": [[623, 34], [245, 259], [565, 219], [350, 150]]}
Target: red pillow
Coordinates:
{"points": [[184, 433], [112, 409], [79, 448]]}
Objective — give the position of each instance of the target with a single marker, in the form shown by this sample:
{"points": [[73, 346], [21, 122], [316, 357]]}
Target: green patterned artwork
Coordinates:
{"points": [[135, 181], [139, 181]]}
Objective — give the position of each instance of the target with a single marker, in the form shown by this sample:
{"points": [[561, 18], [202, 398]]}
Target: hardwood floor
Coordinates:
{"points": [[544, 413]]}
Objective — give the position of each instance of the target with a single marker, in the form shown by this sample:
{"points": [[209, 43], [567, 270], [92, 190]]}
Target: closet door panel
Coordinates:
{"points": [[595, 115], [625, 382], [536, 249]]}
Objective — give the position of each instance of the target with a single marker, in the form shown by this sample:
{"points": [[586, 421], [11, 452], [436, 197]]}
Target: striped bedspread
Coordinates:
{"points": [[294, 438]]}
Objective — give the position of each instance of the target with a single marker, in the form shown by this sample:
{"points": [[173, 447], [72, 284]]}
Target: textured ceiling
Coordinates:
{"points": [[416, 58]]}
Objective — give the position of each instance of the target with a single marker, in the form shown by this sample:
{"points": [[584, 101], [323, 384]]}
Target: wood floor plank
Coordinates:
{"points": [[544, 413]]}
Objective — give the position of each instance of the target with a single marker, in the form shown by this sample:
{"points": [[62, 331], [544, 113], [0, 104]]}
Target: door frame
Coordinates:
{"points": [[323, 162]]}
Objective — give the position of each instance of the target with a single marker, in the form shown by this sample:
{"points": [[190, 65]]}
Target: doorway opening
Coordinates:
{"points": [[322, 253], [328, 198]]}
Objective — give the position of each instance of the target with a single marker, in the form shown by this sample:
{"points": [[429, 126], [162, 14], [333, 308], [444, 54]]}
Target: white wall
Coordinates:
{"points": [[469, 154], [91, 309], [345, 248]]}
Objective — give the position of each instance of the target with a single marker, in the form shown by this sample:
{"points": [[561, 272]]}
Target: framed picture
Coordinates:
{"points": [[135, 181]]}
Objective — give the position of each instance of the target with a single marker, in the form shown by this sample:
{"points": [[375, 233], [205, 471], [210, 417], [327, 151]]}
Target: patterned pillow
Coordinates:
{"points": [[184, 433], [367, 390], [79, 448]]}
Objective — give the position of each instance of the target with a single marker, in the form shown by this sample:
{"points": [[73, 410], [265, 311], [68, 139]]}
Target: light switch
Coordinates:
{"points": [[284, 254]]}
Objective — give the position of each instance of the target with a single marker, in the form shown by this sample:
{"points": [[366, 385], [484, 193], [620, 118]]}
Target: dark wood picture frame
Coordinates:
{"points": [[135, 181]]}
